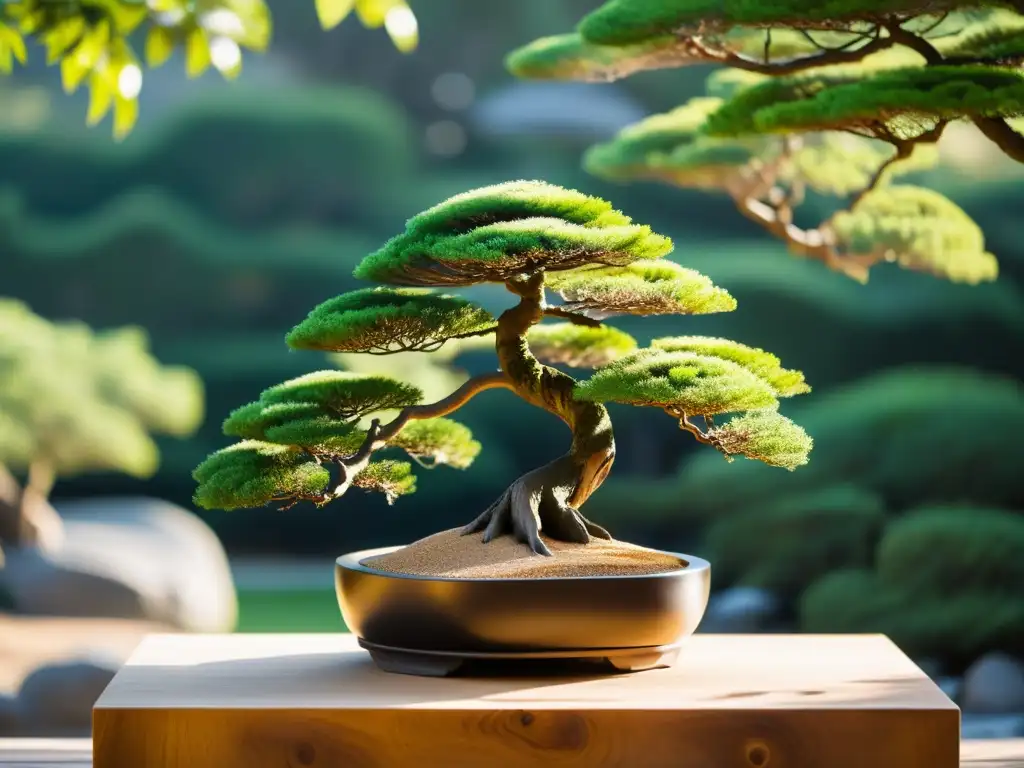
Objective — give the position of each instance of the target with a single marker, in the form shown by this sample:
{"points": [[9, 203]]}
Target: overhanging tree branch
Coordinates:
{"points": [[999, 132], [793, 65]]}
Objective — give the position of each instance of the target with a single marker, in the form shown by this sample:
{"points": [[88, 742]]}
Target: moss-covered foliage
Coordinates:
{"points": [[767, 366], [880, 433], [673, 147], [919, 229], [693, 384], [529, 225], [764, 435], [647, 288], [784, 545], [438, 441], [903, 103], [74, 400], [579, 346], [946, 584], [838, 97], [385, 320], [252, 473], [391, 478], [344, 394]]}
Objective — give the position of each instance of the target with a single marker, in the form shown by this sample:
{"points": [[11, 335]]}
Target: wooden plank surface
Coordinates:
{"points": [[61, 753], [262, 701]]}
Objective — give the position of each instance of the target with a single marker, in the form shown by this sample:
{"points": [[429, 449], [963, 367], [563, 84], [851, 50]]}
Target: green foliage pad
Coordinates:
{"points": [[528, 226], [382, 320]]}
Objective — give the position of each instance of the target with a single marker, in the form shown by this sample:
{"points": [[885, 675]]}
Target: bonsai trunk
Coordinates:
{"points": [[26, 517], [547, 498]]}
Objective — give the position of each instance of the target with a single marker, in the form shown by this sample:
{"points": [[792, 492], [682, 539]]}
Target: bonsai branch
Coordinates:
{"points": [[995, 129], [573, 317], [827, 56], [999, 132], [377, 436]]}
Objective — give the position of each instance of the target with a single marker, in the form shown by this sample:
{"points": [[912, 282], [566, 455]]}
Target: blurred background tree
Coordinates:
{"points": [[74, 401]]}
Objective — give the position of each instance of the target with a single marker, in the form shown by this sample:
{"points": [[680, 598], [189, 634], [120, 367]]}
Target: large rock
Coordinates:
{"points": [[742, 609], [132, 558], [58, 698], [10, 719], [994, 684]]}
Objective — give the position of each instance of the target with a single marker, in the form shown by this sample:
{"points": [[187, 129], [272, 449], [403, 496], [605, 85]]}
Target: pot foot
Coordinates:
{"points": [[408, 661]]}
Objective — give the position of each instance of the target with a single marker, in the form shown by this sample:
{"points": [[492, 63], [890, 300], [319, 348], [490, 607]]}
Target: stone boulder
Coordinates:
{"points": [[742, 609], [130, 558], [58, 698], [994, 684]]}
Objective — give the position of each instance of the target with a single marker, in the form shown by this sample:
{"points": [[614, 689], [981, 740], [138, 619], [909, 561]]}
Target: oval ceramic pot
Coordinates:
{"points": [[635, 622]]}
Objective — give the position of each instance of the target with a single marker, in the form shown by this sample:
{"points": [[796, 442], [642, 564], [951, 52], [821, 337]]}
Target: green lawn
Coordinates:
{"points": [[298, 610]]}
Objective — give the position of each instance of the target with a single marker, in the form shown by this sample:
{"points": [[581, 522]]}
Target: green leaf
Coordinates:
{"points": [[647, 288], [918, 229], [160, 44], [84, 56], [577, 345], [392, 478], [766, 436], [344, 395], [12, 45], [388, 320], [332, 12], [695, 385], [61, 36], [438, 441], [252, 474], [126, 114], [197, 52], [401, 25], [767, 366]]}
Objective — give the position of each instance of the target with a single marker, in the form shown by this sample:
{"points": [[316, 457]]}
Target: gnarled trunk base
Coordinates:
{"points": [[538, 501]]}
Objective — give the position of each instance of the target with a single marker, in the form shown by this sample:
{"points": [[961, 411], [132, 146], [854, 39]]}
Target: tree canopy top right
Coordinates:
{"points": [[838, 98]]}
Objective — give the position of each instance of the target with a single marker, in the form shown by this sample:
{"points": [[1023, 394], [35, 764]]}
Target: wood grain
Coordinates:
{"points": [[262, 701]]}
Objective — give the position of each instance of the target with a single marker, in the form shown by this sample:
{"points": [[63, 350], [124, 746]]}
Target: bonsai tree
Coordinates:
{"points": [[303, 440], [75, 401], [837, 99], [89, 39]]}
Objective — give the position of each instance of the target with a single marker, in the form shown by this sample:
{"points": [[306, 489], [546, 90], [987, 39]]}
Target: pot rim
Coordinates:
{"points": [[351, 562]]}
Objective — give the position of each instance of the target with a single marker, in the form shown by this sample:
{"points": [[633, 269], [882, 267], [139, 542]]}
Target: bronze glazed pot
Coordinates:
{"points": [[437, 625]]}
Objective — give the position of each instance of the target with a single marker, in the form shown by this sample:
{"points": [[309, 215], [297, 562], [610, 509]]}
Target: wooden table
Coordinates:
{"points": [[774, 701]]}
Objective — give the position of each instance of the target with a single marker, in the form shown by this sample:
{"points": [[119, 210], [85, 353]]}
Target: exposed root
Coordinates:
{"points": [[537, 502]]}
